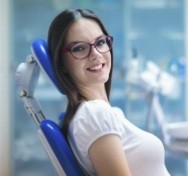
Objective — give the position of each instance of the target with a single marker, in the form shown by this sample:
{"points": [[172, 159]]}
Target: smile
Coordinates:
{"points": [[96, 67]]}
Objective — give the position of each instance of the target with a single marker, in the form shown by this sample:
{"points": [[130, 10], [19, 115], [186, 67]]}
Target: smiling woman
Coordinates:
{"points": [[103, 140]]}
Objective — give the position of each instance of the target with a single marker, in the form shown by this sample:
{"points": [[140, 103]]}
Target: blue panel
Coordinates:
{"points": [[40, 49], [61, 148]]}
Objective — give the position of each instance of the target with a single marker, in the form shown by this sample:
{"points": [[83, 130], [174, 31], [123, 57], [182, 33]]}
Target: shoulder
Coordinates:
{"points": [[93, 111], [94, 106], [94, 118]]}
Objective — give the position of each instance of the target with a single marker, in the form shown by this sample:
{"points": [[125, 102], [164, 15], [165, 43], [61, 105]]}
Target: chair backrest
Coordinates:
{"points": [[58, 149], [54, 141]]}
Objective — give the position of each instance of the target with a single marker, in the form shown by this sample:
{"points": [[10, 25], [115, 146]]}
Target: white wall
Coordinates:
{"points": [[4, 88], [186, 52]]}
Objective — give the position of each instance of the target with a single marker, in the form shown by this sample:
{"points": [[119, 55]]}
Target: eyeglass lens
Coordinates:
{"points": [[82, 50]]}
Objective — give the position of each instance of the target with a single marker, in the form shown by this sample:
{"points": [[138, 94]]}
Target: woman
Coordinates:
{"points": [[103, 140]]}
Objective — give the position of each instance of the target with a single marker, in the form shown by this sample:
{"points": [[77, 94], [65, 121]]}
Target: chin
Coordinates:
{"points": [[104, 80]]}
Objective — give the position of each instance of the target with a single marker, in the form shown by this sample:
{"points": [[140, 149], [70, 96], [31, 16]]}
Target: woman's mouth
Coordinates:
{"points": [[96, 67]]}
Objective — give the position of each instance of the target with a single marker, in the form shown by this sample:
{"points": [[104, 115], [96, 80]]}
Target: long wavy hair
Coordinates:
{"points": [[57, 33]]}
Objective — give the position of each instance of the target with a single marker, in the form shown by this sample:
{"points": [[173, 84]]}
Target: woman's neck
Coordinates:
{"points": [[92, 93]]}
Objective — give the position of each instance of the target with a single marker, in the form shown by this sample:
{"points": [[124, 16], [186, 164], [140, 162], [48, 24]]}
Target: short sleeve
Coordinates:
{"points": [[93, 120]]}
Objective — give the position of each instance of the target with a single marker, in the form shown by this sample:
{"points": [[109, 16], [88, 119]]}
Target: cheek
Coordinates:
{"points": [[108, 58], [68, 63], [73, 68]]}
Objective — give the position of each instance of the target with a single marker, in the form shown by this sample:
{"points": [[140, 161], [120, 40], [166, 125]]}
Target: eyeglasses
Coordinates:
{"points": [[81, 50]]}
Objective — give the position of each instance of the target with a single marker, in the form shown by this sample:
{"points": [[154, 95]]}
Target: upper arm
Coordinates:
{"points": [[108, 157]]}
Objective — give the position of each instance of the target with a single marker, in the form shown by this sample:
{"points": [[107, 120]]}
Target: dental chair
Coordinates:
{"points": [[53, 140]]}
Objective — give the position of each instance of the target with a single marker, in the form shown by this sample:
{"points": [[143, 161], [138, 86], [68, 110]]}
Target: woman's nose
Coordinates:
{"points": [[94, 54]]}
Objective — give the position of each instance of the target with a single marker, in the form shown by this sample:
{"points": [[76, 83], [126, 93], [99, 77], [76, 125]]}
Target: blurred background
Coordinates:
{"points": [[151, 54]]}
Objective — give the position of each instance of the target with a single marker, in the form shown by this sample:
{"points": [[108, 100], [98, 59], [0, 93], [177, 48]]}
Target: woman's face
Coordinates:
{"points": [[93, 70]]}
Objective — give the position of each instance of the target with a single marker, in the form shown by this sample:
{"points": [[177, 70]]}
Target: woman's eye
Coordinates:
{"points": [[77, 48], [100, 42]]}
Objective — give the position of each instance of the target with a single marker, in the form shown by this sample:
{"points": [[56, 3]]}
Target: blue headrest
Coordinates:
{"points": [[41, 53]]}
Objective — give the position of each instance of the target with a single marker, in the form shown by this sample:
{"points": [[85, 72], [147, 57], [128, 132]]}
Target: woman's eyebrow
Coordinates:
{"points": [[102, 35], [78, 41]]}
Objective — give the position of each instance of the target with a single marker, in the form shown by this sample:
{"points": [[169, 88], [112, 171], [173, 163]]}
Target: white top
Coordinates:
{"points": [[96, 118]]}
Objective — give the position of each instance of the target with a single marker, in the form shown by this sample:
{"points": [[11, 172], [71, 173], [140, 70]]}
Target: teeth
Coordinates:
{"points": [[97, 67]]}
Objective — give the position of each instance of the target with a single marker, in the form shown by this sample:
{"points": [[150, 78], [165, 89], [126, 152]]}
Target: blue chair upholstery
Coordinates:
{"points": [[53, 140], [41, 53], [58, 149]]}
